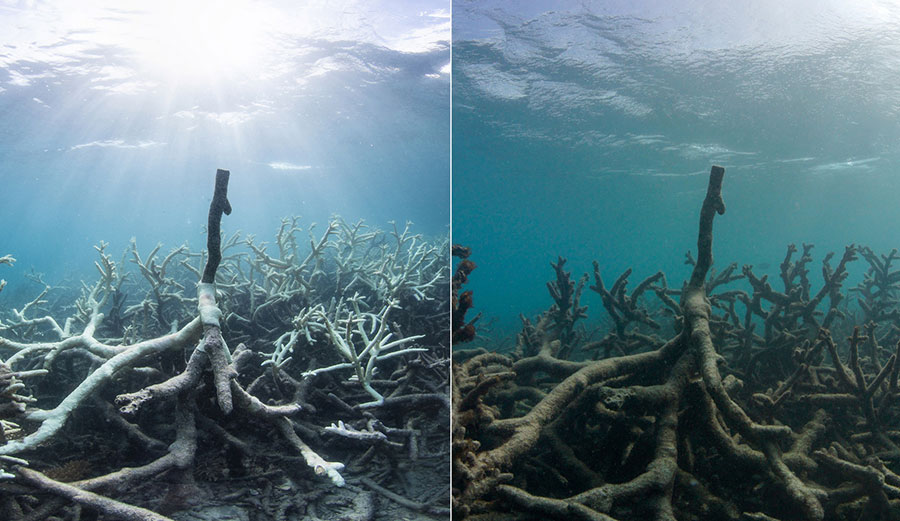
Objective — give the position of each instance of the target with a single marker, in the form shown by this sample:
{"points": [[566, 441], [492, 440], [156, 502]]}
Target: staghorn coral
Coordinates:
{"points": [[349, 328], [752, 409], [182, 394]]}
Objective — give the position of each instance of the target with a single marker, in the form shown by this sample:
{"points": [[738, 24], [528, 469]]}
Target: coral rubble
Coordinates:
{"points": [[707, 401], [340, 363]]}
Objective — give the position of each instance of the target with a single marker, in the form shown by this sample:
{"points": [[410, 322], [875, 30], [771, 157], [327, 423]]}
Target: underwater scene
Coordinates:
{"points": [[676, 289], [224, 260]]}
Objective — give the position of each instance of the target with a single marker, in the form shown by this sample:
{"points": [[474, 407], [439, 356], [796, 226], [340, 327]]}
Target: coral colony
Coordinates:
{"points": [[704, 401], [340, 364]]}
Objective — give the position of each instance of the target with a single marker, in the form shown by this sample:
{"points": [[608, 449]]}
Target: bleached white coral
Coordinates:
{"points": [[362, 338]]}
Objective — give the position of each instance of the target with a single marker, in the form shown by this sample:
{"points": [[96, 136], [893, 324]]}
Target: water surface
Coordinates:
{"points": [[587, 130]]}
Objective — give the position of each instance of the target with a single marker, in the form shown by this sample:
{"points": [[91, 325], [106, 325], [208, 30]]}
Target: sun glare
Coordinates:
{"points": [[202, 39]]}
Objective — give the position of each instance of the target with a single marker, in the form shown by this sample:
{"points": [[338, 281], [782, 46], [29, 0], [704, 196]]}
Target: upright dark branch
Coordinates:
{"points": [[217, 207], [713, 204]]}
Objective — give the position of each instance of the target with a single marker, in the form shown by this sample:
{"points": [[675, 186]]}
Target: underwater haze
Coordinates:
{"points": [[587, 130], [117, 115]]}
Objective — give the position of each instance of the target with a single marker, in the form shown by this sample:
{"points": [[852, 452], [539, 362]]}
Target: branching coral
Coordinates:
{"points": [[186, 399], [352, 326], [748, 411]]}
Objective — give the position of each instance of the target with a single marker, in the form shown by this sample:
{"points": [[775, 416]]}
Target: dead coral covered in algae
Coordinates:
{"points": [[754, 408], [335, 390]]}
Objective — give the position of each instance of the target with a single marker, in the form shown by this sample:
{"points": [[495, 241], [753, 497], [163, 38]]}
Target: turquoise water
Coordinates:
{"points": [[116, 117], [588, 131]]}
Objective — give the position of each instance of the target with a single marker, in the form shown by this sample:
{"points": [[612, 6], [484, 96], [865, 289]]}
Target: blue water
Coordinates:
{"points": [[115, 119], [587, 130]]}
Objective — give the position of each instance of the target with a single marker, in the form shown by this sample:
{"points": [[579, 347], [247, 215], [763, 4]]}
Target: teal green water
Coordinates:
{"points": [[588, 131]]}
